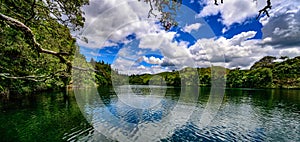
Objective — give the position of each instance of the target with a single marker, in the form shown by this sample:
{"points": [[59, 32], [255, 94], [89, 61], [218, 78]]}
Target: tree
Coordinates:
{"points": [[267, 61], [265, 9], [259, 78], [236, 78], [36, 45], [216, 2], [168, 10]]}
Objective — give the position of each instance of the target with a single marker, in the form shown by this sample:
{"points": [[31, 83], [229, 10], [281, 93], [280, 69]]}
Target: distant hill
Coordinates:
{"points": [[269, 72]]}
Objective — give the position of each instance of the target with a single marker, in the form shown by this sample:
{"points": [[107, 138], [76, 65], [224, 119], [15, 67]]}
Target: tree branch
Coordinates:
{"points": [[151, 11], [32, 10], [84, 69], [31, 77], [265, 9], [31, 37], [29, 34], [42, 78]]}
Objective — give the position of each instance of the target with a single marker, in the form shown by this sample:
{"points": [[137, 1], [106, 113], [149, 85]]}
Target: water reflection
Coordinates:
{"points": [[131, 117], [245, 115], [40, 117]]}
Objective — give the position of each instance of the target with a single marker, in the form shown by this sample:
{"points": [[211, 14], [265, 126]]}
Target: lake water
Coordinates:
{"points": [[152, 114]]}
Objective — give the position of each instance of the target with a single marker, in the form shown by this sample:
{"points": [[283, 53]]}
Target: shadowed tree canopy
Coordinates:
{"points": [[168, 10]]}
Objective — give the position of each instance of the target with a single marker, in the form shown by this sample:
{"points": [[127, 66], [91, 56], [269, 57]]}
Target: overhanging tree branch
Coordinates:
{"points": [[84, 69], [216, 2], [265, 9], [168, 10], [31, 77], [31, 37], [151, 10]]}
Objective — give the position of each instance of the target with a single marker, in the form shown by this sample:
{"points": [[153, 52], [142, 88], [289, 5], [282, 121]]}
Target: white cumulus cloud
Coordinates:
{"points": [[233, 11], [191, 27], [152, 60], [111, 21]]}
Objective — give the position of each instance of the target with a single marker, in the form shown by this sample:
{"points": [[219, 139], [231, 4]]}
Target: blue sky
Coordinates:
{"points": [[121, 34]]}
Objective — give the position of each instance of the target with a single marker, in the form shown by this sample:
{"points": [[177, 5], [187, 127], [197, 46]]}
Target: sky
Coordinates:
{"points": [[120, 33]]}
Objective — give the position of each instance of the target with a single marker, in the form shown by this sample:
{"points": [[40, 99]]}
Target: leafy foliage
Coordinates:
{"points": [[267, 73], [264, 62], [103, 74], [37, 49], [36, 44], [168, 10], [263, 74]]}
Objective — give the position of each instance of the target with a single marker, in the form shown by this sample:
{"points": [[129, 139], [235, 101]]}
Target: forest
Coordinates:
{"points": [[268, 72], [265, 73], [38, 53]]}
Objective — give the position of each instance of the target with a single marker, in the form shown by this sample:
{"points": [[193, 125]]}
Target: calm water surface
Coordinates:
{"points": [[243, 115]]}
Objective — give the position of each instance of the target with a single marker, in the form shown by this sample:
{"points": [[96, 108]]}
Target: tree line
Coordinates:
{"points": [[265, 73], [38, 51], [268, 72]]}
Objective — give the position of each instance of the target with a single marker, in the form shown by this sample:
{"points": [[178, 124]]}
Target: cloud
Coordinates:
{"points": [[114, 20], [243, 36], [155, 40], [152, 60], [189, 28], [281, 34], [282, 28], [129, 67], [109, 23], [141, 67], [237, 51], [233, 11], [291, 52], [175, 52]]}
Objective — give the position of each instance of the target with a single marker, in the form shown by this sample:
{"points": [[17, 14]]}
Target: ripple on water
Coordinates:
{"points": [[190, 132], [235, 121]]}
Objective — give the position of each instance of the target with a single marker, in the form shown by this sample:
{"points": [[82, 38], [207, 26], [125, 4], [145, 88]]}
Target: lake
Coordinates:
{"points": [[152, 113]]}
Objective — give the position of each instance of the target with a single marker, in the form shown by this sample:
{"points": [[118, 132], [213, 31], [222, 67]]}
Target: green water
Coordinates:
{"points": [[244, 115]]}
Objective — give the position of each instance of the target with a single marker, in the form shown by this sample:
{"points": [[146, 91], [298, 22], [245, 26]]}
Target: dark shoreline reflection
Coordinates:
{"points": [[40, 117]]}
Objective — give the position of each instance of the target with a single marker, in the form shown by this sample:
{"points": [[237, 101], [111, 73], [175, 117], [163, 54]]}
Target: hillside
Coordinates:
{"points": [[265, 73]]}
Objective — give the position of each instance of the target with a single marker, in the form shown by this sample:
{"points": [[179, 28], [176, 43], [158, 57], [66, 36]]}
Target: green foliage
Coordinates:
{"points": [[267, 74], [23, 67], [91, 73], [263, 74], [103, 73], [83, 77], [259, 78], [167, 11], [265, 62], [44, 117], [286, 74], [236, 78]]}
